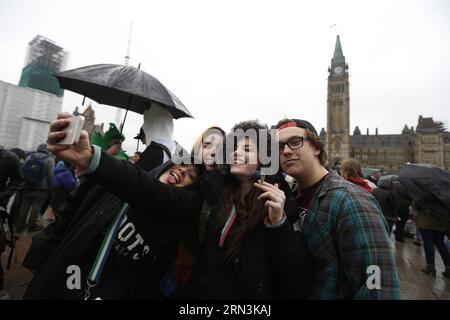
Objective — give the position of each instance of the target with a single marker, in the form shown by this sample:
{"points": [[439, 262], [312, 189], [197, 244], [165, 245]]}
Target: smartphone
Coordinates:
{"points": [[73, 130]]}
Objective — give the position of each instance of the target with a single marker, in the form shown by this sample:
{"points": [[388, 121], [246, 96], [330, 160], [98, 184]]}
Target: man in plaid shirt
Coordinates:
{"points": [[342, 223]]}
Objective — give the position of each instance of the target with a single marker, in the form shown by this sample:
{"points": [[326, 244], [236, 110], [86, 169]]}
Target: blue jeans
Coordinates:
{"points": [[433, 238]]}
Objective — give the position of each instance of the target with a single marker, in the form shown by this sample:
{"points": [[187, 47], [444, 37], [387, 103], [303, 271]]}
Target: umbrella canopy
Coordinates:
{"points": [[429, 187], [121, 86], [385, 182]]}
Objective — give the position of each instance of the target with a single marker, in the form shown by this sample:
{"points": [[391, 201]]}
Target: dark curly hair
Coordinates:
{"points": [[251, 212]]}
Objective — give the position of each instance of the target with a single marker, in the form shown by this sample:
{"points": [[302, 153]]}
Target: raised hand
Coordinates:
{"points": [[275, 199], [79, 154]]}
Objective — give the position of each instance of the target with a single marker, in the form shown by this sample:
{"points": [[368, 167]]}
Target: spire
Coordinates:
{"points": [[406, 130], [338, 56]]}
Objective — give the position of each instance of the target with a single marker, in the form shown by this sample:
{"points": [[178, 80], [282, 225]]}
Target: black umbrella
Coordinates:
{"points": [[121, 86], [402, 200], [429, 187], [385, 182]]}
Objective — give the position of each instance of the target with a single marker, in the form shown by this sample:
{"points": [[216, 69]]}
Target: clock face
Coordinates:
{"points": [[338, 70]]}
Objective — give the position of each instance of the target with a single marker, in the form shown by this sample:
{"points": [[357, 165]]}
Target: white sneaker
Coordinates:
{"points": [[4, 295]]}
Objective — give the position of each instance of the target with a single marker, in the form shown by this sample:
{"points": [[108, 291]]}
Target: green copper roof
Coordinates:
{"points": [[338, 56], [41, 78]]}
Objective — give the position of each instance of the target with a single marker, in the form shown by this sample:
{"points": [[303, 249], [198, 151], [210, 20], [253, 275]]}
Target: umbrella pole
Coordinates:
{"points": [[126, 112], [84, 98], [137, 147], [123, 123]]}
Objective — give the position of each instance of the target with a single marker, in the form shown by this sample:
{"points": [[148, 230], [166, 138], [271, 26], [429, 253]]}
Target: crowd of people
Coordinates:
{"points": [[208, 224]]}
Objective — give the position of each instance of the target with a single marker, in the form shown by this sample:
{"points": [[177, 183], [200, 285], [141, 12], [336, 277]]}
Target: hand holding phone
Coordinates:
{"points": [[73, 131]]}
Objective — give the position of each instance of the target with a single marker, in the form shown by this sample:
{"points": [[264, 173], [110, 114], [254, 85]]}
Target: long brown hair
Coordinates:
{"points": [[248, 214]]}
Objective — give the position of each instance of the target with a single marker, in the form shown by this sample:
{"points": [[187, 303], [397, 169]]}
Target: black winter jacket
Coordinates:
{"points": [[387, 203], [10, 176], [75, 238]]}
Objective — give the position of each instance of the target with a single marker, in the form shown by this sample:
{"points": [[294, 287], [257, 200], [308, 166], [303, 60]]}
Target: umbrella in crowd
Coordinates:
{"points": [[385, 182], [121, 86], [429, 187], [392, 184]]}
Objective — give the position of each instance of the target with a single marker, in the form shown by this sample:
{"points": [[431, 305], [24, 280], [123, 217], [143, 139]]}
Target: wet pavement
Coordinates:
{"points": [[410, 258], [17, 279], [414, 284]]}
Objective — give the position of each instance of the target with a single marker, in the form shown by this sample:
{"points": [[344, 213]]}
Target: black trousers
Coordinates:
{"points": [[400, 228]]}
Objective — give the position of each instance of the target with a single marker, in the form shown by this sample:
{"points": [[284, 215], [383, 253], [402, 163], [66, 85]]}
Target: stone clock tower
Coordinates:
{"points": [[338, 108]]}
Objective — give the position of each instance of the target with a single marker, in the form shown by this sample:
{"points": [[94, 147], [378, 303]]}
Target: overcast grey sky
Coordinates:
{"points": [[229, 61]]}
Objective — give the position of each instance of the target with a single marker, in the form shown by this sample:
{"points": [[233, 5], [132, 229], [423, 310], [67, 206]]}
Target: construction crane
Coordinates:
{"points": [[126, 62]]}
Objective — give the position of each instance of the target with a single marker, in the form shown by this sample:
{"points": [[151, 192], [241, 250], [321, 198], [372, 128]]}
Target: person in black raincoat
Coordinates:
{"points": [[385, 197], [139, 258], [11, 181], [257, 257], [402, 203]]}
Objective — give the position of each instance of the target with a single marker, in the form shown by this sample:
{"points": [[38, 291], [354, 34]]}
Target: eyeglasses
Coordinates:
{"points": [[293, 143]]}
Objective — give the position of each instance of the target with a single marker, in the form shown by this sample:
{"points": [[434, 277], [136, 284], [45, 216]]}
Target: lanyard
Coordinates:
{"points": [[105, 249], [226, 228]]}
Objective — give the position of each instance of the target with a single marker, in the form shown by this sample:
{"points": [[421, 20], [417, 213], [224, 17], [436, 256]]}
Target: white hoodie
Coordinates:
{"points": [[158, 127]]}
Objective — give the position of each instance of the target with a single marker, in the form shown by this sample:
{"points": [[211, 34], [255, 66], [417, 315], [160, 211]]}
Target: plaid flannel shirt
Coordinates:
{"points": [[346, 233]]}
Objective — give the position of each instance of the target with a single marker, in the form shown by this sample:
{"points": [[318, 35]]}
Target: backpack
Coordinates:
{"points": [[34, 171]]}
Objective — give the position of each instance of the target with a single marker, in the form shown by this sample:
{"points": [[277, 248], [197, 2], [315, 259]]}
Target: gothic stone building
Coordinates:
{"points": [[428, 143], [89, 120]]}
